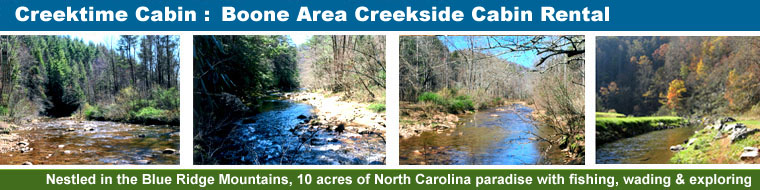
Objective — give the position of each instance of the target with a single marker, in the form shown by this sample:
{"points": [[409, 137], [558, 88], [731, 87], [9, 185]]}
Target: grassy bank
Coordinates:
{"points": [[707, 149], [609, 129]]}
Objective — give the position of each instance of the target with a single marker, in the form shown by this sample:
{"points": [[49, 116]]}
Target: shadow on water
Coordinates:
{"points": [[499, 136], [282, 134], [63, 141], [648, 148]]}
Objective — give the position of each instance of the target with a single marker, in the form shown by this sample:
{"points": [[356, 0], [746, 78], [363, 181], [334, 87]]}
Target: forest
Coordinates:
{"points": [[64, 83], [527, 91], [647, 83], [678, 75], [317, 101]]}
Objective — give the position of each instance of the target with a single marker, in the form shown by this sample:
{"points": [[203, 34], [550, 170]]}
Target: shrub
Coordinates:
{"points": [[452, 102], [377, 107], [430, 97], [460, 105], [150, 113], [3, 110], [90, 111], [166, 98]]}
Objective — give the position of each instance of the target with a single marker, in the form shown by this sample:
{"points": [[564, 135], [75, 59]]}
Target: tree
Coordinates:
{"points": [[675, 93]]}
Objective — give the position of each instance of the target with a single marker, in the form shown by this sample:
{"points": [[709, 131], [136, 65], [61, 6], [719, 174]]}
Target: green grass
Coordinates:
{"points": [[609, 129], [608, 114], [376, 107], [707, 150], [456, 104], [749, 123]]}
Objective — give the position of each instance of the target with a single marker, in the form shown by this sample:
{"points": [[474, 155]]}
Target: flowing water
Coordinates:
{"points": [[648, 148], [281, 134], [65, 141], [498, 136]]}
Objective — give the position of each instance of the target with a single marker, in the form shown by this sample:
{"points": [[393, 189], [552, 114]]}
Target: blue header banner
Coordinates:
{"points": [[378, 15]]}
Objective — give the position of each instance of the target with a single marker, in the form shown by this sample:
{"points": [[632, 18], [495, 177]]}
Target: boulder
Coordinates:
{"points": [[301, 117], [677, 148], [749, 153], [452, 118], [691, 141], [232, 103], [169, 151], [727, 120], [741, 133], [732, 127]]}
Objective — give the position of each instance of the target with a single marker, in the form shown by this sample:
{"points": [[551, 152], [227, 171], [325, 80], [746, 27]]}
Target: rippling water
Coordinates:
{"points": [[499, 136], [63, 142]]}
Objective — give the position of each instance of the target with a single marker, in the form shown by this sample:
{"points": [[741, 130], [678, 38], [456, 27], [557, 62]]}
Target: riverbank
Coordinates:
{"points": [[331, 111], [725, 141], [612, 127]]}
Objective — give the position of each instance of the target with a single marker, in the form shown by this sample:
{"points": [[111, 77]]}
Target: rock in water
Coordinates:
{"points": [[749, 153], [61, 146], [142, 162], [27, 163], [301, 117], [169, 151], [340, 128], [677, 148], [318, 142]]}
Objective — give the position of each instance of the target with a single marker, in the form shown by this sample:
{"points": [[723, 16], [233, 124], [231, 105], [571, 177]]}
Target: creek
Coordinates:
{"points": [[498, 136], [282, 133], [67, 141], [648, 148]]}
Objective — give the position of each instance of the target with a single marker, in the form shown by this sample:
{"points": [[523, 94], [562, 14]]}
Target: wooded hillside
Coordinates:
{"points": [[134, 79], [678, 75]]}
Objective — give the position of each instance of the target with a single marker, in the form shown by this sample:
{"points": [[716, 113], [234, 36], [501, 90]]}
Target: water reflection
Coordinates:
{"points": [[648, 148], [499, 136]]}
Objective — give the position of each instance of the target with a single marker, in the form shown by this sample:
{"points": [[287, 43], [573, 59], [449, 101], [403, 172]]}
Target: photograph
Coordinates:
{"points": [[289, 100], [491, 100], [89, 100], [677, 100]]}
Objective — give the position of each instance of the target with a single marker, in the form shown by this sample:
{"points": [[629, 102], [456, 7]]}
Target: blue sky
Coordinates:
{"points": [[97, 38], [526, 59], [299, 39]]}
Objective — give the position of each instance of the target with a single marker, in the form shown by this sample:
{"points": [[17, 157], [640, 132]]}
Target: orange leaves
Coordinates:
{"points": [[675, 91]]}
